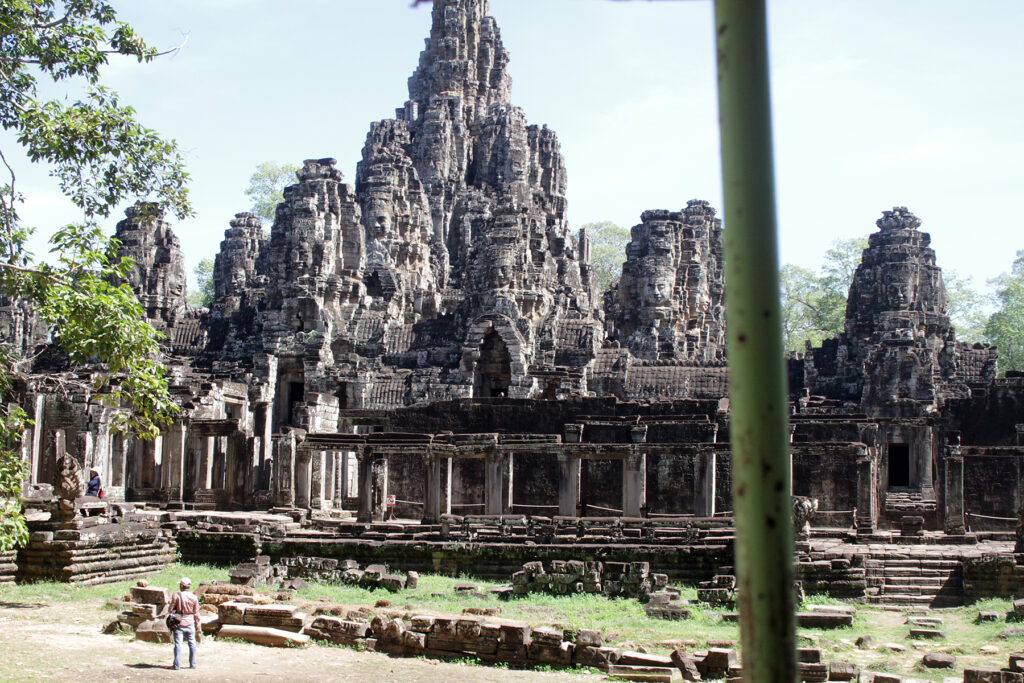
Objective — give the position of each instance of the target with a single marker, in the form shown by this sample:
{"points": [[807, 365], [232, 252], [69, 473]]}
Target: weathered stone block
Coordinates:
{"points": [[939, 660], [555, 655], [146, 595]]}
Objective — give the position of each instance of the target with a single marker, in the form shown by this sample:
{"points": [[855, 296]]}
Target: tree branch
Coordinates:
{"points": [[34, 271]]}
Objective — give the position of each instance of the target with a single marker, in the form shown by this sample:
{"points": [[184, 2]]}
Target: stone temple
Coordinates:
{"points": [[430, 346]]}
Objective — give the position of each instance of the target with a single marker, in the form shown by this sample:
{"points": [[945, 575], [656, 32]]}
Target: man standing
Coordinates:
{"points": [[185, 604]]}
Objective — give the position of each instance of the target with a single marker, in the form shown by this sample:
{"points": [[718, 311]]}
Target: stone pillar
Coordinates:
{"points": [[234, 467], [365, 513], [953, 517], [37, 440], [634, 475], [379, 468], [867, 496], [317, 474], [284, 469], [206, 463], [339, 463], [569, 469], [705, 481], [431, 489], [346, 465], [925, 459], [1020, 434], [303, 478], [174, 460], [495, 478]]}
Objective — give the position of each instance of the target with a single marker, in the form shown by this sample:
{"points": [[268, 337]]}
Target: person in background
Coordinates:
{"points": [[95, 484], [185, 604]]}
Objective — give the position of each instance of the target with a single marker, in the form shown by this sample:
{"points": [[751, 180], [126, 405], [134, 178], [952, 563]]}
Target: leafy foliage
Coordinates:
{"points": [[100, 156], [1005, 328], [204, 276], [607, 251], [965, 307], [266, 187], [814, 304]]}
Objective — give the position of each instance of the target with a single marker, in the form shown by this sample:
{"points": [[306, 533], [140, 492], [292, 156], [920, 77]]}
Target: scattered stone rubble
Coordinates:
{"points": [[613, 579], [293, 572]]}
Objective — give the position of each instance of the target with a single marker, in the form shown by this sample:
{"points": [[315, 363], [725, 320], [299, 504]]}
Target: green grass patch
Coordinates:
{"points": [[52, 592]]}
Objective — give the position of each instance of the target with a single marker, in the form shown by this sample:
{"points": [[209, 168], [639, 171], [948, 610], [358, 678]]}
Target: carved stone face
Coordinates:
{"points": [[657, 289], [501, 271], [378, 217]]}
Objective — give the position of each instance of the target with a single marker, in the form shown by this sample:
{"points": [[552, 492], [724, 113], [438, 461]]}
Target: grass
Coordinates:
{"points": [[623, 622], [51, 592]]}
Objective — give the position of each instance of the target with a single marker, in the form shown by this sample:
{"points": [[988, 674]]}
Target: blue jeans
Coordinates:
{"points": [[185, 632]]}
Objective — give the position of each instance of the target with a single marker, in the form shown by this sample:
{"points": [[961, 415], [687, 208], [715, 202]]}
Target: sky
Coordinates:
{"points": [[876, 104]]}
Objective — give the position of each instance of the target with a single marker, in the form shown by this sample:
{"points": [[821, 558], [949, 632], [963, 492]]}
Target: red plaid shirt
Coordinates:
{"points": [[186, 605]]}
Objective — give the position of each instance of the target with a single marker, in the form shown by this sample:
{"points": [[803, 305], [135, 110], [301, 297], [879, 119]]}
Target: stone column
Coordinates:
{"points": [[1020, 434], [37, 440], [303, 478], [339, 463], [953, 518], [867, 498], [431, 489], [317, 474], [206, 463], [705, 480], [379, 467], [925, 460], [346, 464], [174, 460], [284, 469], [365, 513], [569, 469], [495, 478], [634, 475]]}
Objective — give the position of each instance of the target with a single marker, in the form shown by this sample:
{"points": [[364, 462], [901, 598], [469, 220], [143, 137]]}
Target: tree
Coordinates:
{"points": [[814, 304], [965, 307], [607, 252], [204, 277], [266, 187], [1005, 328], [101, 156]]}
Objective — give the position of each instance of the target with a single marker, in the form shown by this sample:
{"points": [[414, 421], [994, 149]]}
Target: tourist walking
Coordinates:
{"points": [[185, 605]]}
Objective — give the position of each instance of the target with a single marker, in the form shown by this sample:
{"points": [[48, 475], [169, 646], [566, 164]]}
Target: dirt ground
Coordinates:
{"points": [[65, 642]]}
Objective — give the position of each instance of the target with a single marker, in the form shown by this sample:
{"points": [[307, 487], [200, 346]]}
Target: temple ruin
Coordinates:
{"points": [[420, 369]]}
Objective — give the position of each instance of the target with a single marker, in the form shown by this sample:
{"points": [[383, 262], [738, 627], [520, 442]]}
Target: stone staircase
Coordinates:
{"points": [[924, 581], [904, 501]]}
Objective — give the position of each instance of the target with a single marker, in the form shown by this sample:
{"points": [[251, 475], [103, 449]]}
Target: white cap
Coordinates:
{"points": [[185, 581]]}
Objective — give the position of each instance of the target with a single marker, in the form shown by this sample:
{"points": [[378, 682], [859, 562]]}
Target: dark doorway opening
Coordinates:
{"points": [[899, 465], [494, 369]]}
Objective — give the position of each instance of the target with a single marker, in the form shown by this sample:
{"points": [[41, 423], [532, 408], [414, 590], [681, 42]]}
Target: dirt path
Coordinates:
{"points": [[63, 641]]}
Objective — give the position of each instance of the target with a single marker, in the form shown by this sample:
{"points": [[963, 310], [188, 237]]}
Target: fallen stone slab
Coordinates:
{"points": [[925, 622], [1017, 662], [686, 664], [982, 674], [843, 671], [824, 619], [153, 631], [987, 615], [263, 635], [653, 674], [939, 660], [927, 633], [628, 657], [145, 595]]}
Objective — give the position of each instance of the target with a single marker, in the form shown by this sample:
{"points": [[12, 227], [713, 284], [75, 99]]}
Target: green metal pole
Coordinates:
{"points": [[757, 383]]}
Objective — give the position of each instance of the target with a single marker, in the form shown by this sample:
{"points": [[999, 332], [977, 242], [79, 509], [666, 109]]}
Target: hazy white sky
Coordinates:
{"points": [[876, 103]]}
